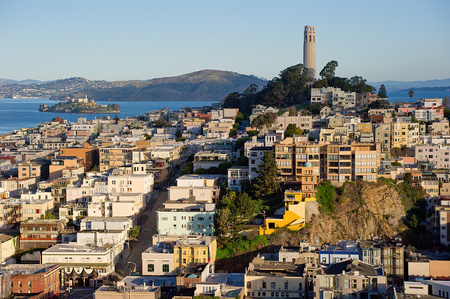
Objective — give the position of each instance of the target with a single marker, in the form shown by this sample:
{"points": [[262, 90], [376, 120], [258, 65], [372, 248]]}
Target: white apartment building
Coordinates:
{"points": [[435, 154], [132, 184], [103, 223], [237, 175], [334, 97]]}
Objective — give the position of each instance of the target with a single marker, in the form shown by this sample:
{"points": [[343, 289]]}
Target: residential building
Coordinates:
{"points": [[18, 210], [271, 279], [29, 170], [131, 291], [350, 279], [190, 194], [343, 251], [208, 159], [88, 153], [440, 127], [237, 176], [169, 254], [91, 260], [437, 155], [39, 281], [7, 247], [297, 211], [106, 223], [42, 233], [65, 166], [291, 158], [382, 135], [392, 256], [123, 184], [111, 157], [334, 97], [303, 122], [370, 252], [190, 218]]}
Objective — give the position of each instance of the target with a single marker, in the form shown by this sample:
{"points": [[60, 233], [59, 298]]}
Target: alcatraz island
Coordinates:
{"points": [[80, 106]]}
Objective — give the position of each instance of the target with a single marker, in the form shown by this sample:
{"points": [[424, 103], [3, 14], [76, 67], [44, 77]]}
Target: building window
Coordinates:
{"points": [[150, 268], [29, 284], [264, 285], [273, 285], [249, 284], [165, 268]]}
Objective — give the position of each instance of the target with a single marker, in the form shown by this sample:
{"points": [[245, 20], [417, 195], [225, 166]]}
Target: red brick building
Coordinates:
{"points": [[21, 279], [42, 233]]}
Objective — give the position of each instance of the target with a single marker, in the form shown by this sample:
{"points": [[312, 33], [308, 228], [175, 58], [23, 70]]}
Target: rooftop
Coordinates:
{"points": [[27, 269], [72, 248]]}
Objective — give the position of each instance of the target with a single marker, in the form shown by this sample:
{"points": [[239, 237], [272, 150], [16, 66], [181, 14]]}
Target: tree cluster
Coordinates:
{"points": [[264, 120], [286, 90], [292, 130]]}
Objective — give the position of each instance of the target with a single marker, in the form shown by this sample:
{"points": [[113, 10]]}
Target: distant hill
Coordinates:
{"points": [[206, 85], [27, 81], [416, 85]]}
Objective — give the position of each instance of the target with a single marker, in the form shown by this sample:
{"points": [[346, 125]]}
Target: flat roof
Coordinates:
{"points": [[72, 248]]}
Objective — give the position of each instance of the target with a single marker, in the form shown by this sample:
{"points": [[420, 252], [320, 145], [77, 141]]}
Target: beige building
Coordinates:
{"points": [[271, 279], [65, 166], [350, 279], [303, 122], [7, 247], [131, 291], [29, 170], [16, 210], [112, 157], [439, 127]]}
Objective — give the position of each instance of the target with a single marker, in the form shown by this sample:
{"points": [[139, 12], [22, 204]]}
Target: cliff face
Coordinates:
{"points": [[363, 210]]}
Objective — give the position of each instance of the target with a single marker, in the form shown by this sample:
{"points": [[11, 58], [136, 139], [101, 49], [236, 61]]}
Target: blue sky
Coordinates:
{"points": [[126, 40]]}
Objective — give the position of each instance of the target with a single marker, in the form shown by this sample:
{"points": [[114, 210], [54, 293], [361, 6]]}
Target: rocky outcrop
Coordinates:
{"points": [[363, 210]]}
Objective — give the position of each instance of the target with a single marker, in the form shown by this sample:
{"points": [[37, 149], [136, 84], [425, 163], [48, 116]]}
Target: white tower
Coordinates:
{"points": [[309, 51]]}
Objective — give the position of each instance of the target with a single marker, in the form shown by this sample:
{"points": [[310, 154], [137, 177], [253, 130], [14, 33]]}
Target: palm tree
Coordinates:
{"points": [[411, 94]]}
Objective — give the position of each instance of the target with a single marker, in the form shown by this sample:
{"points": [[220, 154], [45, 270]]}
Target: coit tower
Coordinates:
{"points": [[309, 51]]}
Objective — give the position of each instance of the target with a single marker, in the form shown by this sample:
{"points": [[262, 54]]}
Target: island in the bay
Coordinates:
{"points": [[80, 106]]}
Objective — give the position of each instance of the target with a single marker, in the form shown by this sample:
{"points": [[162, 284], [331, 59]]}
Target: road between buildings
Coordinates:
{"points": [[147, 221]]}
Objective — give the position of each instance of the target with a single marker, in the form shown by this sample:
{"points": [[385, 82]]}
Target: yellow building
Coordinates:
{"points": [[399, 135], [201, 251], [294, 214], [364, 127]]}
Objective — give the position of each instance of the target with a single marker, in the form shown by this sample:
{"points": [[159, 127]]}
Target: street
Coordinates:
{"points": [[131, 257]]}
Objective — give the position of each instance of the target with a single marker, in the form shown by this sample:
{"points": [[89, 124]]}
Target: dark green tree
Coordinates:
{"points": [[265, 183], [292, 130], [178, 134], [223, 167], [239, 144], [382, 92], [329, 70], [242, 161]]}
